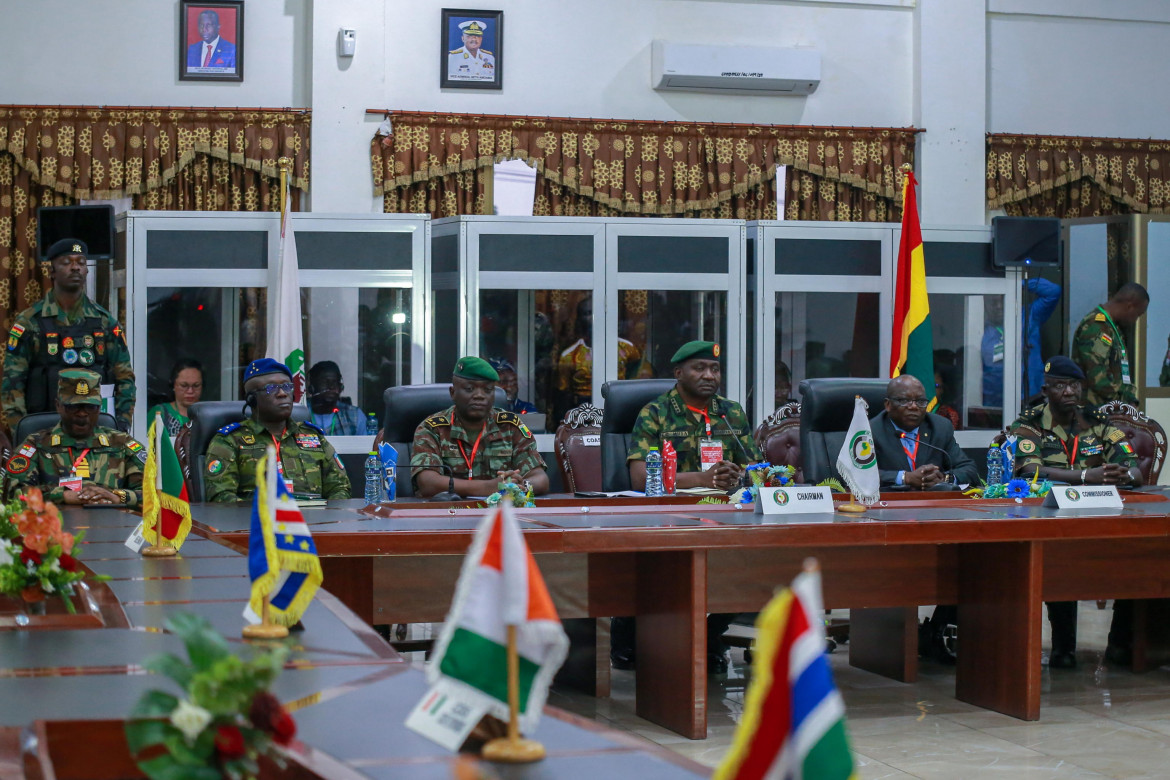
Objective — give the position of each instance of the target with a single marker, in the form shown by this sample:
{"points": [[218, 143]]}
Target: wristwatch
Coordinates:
{"points": [[123, 495]]}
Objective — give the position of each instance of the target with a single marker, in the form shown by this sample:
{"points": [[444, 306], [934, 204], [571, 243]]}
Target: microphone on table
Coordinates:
{"points": [[918, 440], [743, 450], [449, 494]]}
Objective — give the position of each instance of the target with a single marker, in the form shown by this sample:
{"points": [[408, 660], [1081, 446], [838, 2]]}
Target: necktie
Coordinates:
{"points": [[206, 54]]}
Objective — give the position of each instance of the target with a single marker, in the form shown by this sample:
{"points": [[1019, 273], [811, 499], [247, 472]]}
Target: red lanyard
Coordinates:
{"points": [[474, 449], [704, 414], [80, 458], [276, 442], [1071, 456], [911, 454]]}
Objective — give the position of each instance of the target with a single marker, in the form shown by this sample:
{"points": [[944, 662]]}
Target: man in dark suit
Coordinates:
{"points": [[211, 51], [906, 437]]}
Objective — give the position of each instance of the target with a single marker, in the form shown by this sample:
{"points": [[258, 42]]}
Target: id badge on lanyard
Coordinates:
{"points": [[710, 452]]}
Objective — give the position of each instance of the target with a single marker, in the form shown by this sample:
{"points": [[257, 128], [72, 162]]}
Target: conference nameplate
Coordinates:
{"points": [[1083, 497], [794, 501]]}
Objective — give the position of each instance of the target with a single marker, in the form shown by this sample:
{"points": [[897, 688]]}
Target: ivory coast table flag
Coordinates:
{"points": [[913, 347], [282, 558], [499, 585], [165, 506], [857, 461], [793, 724]]}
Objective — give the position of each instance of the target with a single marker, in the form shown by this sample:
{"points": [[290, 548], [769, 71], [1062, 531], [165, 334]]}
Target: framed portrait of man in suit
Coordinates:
{"points": [[471, 49], [211, 40]]}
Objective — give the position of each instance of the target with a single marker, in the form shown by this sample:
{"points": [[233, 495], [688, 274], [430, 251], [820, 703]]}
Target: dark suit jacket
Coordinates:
{"points": [[936, 430], [224, 55]]}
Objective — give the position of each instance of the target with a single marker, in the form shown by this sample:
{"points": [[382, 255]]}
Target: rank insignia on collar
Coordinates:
{"points": [[248, 438]]}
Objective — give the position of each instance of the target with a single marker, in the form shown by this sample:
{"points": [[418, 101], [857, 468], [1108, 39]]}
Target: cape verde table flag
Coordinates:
{"points": [[282, 558], [793, 725], [165, 506], [499, 585]]}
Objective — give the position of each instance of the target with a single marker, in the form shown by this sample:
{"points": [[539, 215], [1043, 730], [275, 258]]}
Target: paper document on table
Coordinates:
{"points": [[701, 491]]}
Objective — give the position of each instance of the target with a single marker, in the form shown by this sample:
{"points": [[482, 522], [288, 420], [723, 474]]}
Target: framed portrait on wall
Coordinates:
{"points": [[472, 49], [211, 40]]}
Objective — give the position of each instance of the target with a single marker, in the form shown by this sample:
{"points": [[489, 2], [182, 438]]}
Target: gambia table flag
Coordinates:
{"points": [[793, 725], [913, 348], [499, 586], [165, 504]]}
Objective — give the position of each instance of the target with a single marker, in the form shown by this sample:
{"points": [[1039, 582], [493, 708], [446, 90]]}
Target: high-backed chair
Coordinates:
{"points": [[825, 413], [778, 437], [624, 398], [207, 417], [408, 406], [578, 448], [39, 421], [1146, 435]]}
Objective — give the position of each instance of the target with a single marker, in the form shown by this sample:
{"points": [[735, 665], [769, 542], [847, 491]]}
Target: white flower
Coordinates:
{"points": [[55, 567], [6, 556], [190, 719]]}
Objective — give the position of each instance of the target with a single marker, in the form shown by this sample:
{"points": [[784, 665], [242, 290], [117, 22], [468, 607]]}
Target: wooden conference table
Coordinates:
{"points": [[670, 562], [350, 692]]}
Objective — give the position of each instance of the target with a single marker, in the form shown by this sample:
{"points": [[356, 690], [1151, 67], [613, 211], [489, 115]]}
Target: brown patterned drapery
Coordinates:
{"points": [[592, 167], [1066, 177], [165, 158], [815, 197]]}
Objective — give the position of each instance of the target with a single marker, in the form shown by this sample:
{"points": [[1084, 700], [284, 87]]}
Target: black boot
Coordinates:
{"points": [[1063, 617]]}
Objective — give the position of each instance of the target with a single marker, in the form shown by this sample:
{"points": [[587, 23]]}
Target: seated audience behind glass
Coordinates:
{"points": [[186, 389]]}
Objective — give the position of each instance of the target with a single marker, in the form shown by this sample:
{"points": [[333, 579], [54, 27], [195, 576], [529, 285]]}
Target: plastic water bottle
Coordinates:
{"points": [[1009, 458], [373, 479], [994, 465], [372, 424], [654, 472]]}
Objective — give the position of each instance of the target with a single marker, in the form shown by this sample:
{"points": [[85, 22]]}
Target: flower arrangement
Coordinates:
{"points": [[521, 495], [762, 475], [225, 720], [1018, 488], [36, 555]]}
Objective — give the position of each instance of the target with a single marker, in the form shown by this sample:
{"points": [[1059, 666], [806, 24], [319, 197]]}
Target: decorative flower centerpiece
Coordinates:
{"points": [[36, 555], [762, 475], [225, 720], [521, 495], [1018, 488]]}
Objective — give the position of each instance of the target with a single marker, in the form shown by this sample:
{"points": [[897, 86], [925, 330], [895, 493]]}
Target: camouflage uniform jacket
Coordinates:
{"points": [[507, 445], [86, 337], [115, 461], [1097, 348], [229, 471], [1041, 443], [667, 417]]}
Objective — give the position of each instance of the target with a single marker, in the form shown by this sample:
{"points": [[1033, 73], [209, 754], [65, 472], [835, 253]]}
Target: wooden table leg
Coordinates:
{"points": [[999, 627], [672, 640], [351, 580], [885, 641]]}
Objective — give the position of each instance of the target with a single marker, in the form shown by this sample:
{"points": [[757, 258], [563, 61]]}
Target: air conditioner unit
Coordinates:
{"points": [[734, 70]]}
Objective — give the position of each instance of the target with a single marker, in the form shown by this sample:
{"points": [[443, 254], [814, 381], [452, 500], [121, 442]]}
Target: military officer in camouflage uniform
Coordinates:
{"points": [[1099, 346], [1067, 442], [304, 457], [64, 329], [472, 445], [77, 461]]}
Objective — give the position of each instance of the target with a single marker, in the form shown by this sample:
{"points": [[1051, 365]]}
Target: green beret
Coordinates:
{"points": [[701, 350], [79, 386], [476, 369]]}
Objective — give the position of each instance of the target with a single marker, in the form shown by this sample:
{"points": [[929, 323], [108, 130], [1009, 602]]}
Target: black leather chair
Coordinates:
{"points": [[624, 398], [406, 408], [207, 417], [825, 413], [40, 421]]}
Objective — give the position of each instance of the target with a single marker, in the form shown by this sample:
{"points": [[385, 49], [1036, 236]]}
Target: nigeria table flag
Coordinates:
{"points": [[165, 506], [500, 585], [282, 558], [913, 348], [285, 342], [857, 461], [793, 723]]}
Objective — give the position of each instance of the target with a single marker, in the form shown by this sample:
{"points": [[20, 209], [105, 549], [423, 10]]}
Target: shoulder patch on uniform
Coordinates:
{"points": [[1027, 446], [1095, 413], [14, 336], [436, 421], [228, 428], [514, 419], [27, 450], [214, 466], [314, 426], [103, 440], [18, 464], [133, 446], [1115, 436], [1099, 317]]}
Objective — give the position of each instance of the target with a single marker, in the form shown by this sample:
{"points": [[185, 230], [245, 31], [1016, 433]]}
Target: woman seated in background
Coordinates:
{"points": [[944, 383], [186, 389]]}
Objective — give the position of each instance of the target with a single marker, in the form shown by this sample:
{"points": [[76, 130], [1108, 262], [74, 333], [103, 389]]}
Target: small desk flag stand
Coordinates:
{"points": [[513, 749], [161, 548]]}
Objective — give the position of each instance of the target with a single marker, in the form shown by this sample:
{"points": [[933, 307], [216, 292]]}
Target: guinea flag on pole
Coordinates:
{"points": [[165, 505], [285, 343], [913, 347], [499, 585]]}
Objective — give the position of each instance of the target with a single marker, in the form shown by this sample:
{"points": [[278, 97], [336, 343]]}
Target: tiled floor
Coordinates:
{"points": [[1097, 721]]}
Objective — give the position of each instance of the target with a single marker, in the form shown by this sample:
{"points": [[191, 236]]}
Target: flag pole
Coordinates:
{"points": [[265, 629], [853, 506], [513, 749], [160, 548]]}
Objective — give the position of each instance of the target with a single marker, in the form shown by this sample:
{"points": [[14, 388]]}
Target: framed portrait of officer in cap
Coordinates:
{"points": [[471, 55]]}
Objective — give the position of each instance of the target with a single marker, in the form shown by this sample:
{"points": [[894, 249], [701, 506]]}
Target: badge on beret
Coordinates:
{"points": [[69, 356], [1027, 446], [214, 466], [87, 341], [86, 356], [715, 350], [18, 464]]}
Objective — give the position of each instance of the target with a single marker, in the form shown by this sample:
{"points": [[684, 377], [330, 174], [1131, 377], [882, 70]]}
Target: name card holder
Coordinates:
{"points": [[1083, 497], [794, 501]]}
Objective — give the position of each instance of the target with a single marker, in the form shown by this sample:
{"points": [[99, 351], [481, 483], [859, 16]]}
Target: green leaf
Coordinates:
{"points": [[141, 734], [172, 666], [204, 645], [166, 767], [155, 704]]}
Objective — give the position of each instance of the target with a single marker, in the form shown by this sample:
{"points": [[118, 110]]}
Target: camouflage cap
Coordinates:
{"points": [[67, 246], [1063, 367], [701, 350], [476, 369], [79, 386]]}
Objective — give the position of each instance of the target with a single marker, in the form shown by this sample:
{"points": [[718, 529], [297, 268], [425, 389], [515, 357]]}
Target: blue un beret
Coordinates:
{"points": [[1059, 365], [265, 366]]}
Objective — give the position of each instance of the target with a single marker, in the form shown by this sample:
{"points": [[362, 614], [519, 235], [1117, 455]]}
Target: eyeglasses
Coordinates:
{"points": [[185, 386], [919, 402], [1059, 387], [285, 387]]}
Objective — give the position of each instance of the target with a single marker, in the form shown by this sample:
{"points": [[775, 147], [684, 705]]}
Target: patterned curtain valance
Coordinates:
{"points": [[1077, 177], [105, 153], [634, 167]]}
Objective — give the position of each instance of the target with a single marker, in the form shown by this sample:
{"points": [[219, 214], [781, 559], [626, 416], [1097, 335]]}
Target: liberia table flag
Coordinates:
{"points": [[285, 343], [793, 725], [165, 506], [282, 557], [499, 585], [913, 348]]}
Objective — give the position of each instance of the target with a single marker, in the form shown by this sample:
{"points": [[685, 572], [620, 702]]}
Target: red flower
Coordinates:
{"points": [[284, 728], [30, 556], [68, 562], [229, 742], [267, 714]]}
